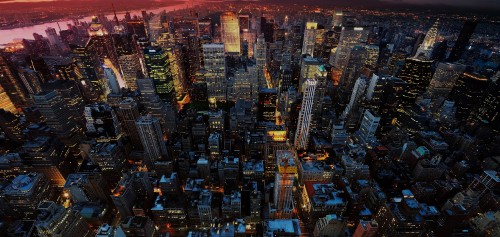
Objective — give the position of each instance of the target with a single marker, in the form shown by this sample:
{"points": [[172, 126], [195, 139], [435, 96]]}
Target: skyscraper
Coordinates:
{"points": [[58, 117], [128, 113], [444, 78], [283, 184], [261, 59], [468, 93], [215, 66], [417, 72], [230, 32], [267, 104], [301, 141], [369, 125], [11, 83], [152, 139], [349, 37], [338, 16], [430, 39], [462, 40], [158, 69], [309, 38]]}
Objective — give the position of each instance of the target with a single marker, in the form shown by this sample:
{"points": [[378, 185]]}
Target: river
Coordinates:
{"points": [[7, 36]]}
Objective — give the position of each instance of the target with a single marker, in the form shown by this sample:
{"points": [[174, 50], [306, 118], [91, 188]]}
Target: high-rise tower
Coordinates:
{"points": [[309, 38], [151, 136], [215, 66], [230, 32], [430, 38], [304, 121], [283, 184]]}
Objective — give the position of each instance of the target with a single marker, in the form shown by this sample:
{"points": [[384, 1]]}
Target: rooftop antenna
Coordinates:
{"points": [[58, 26], [114, 12]]}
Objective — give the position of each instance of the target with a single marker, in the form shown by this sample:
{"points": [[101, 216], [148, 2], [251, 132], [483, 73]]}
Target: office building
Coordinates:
{"points": [[468, 93], [152, 139], [85, 188], [267, 105], [350, 36], [58, 117], [55, 220], [309, 38], [215, 70], [128, 113], [105, 230], [24, 193], [157, 65], [366, 229], [230, 30], [301, 141], [368, 127], [417, 72], [286, 163]]}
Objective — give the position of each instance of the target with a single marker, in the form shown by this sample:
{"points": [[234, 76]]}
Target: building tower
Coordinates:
{"points": [[158, 69], [58, 117], [417, 72], [283, 184], [152, 141], [338, 16], [430, 39], [462, 41], [128, 113], [309, 38], [215, 66], [369, 125], [55, 220], [349, 37], [261, 59], [11, 84], [304, 121], [468, 93], [230, 29]]}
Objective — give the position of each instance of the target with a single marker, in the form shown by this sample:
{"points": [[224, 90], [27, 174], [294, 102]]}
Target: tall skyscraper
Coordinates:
{"points": [[489, 107], [11, 83], [417, 72], [309, 67], [368, 127], [230, 32], [468, 93], [215, 66], [261, 59], [309, 38], [58, 117], [338, 16], [462, 40], [444, 79], [152, 139], [267, 105], [301, 141], [128, 113], [430, 39], [157, 65], [349, 37], [286, 164]]}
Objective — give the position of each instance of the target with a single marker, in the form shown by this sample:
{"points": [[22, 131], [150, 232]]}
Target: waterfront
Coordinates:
{"points": [[7, 36]]}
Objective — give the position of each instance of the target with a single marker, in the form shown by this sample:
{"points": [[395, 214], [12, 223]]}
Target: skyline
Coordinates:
{"points": [[246, 118]]}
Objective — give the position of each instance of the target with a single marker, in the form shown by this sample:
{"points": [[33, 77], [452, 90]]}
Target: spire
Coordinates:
{"points": [[114, 12]]}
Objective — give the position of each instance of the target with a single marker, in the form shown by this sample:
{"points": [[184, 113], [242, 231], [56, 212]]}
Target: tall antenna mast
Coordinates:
{"points": [[116, 18]]}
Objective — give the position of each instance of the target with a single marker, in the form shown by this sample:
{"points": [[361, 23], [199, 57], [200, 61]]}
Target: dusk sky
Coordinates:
{"points": [[459, 3]]}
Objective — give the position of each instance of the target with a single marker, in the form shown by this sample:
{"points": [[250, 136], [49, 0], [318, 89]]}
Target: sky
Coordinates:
{"points": [[456, 3]]}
